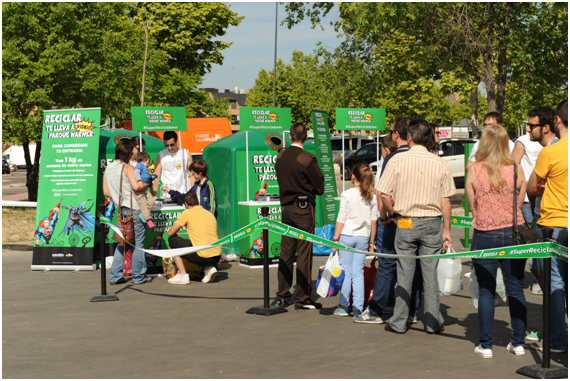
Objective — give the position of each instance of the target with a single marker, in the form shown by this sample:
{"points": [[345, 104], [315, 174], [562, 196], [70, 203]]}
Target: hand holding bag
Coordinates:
{"points": [[125, 223], [331, 276], [527, 235], [449, 274]]}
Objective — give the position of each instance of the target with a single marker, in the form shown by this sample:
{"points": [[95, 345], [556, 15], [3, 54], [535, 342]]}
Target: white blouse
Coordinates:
{"points": [[357, 213]]}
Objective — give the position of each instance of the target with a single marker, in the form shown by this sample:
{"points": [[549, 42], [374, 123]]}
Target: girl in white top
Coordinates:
{"points": [[356, 228]]}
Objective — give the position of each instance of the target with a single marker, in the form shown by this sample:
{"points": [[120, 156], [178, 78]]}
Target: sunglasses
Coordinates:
{"points": [[170, 145], [532, 126]]}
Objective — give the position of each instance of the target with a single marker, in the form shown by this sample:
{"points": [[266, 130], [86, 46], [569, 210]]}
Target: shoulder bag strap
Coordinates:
{"points": [[121, 189], [515, 231]]}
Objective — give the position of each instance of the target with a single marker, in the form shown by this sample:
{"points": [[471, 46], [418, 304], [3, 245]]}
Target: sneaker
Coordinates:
{"points": [[210, 274], [389, 310], [341, 311], [308, 305], [120, 281], [180, 279], [485, 353], [357, 312], [145, 280], [538, 346], [412, 320], [366, 318], [518, 351], [283, 303], [535, 335], [535, 289]]}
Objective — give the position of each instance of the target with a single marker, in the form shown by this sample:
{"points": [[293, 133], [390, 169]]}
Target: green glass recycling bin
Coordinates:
{"points": [[251, 248], [239, 165]]}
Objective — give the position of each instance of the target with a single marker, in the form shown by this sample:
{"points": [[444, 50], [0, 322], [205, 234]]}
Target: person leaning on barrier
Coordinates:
{"points": [[202, 230], [490, 190], [300, 179], [550, 180], [415, 189]]}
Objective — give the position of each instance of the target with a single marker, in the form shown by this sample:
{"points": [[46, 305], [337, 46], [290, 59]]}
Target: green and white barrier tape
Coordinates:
{"points": [[535, 250]]}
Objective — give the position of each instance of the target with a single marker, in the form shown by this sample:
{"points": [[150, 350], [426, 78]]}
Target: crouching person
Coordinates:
{"points": [[202, 229]]}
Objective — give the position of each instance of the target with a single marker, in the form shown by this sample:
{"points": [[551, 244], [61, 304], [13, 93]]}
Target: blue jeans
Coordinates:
{"points": [[513, 276], [559, 296], [537, 263], [386, 274], [353, 266], [527, 213], [139, 261]]}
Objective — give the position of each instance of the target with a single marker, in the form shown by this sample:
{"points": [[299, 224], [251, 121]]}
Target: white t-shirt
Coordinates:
{"points": [[174, 171], [476, 146], [528, 161], [357, 213]]}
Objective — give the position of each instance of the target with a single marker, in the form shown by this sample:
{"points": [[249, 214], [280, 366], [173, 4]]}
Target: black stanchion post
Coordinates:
{"points": [[545, 370], [103, 297], [266, 309]]}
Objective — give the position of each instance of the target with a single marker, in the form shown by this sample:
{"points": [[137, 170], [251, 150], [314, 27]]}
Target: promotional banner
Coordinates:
{"points": [[361, 119], [264, 118], [159, 119], [323, 152], [67, 190], [535, 250]]}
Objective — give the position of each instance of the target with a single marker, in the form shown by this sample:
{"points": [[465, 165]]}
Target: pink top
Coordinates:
{"points": [[495, 207]]}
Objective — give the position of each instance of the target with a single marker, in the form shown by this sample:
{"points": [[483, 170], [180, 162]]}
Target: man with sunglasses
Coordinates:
{"points": [[492, 117], [550, 180], [172, 166]]}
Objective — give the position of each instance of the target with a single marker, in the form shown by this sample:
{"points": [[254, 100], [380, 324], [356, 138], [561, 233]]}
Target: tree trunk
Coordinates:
{"points": [[146, 27], [32, 170], [474, 102], [502, 58], [489, 74]]}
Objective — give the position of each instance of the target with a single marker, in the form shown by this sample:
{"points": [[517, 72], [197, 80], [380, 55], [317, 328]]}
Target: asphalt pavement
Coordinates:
{"points": [[158, 330]]}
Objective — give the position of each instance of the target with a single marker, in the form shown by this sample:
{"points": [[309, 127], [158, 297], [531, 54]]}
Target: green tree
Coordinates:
{"points": [[64, 55], [477, 42]]}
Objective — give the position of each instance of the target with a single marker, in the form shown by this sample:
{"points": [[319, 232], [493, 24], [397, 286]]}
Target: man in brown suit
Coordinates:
{"points": [[300, 179]]}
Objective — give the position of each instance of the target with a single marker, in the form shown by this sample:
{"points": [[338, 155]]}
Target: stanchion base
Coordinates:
{"points": [[104, 298], [272, 310], [538, 372]]}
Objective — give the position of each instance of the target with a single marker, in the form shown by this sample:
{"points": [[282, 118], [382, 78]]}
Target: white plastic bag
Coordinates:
{"points": [[500, 291], [449, 274], [331, 277], [474, 288]]}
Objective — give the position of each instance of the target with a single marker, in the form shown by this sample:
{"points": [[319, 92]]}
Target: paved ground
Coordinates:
{"points": [[14, 186], [157, 330]]}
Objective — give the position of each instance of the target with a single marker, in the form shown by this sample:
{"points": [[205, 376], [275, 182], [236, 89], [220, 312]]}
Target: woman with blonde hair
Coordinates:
{"points": [[356, 228], [490, 190]]}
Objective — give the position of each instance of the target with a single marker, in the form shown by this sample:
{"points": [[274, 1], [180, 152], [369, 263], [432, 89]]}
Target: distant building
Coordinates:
{"points": [[236, 99]]}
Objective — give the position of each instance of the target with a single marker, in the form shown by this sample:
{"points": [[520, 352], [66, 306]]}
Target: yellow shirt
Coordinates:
{"points": [[552, 165], [202, 229]]}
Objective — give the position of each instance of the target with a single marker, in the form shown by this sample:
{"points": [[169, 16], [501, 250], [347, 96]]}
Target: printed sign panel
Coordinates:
{"points": [[323, 152], [264, 118], [159, 119], [67, 193], [360, 119]]}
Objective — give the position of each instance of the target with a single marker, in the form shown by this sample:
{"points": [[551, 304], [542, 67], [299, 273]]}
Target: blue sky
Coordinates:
{"points": [[254, 42]]}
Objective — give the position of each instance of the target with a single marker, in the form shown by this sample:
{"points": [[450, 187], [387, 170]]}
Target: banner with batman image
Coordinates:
{"points": [[67, 189]]}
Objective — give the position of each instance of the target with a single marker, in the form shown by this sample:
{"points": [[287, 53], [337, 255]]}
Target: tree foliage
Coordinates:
{"points": [[499, 44], [64, 55]]}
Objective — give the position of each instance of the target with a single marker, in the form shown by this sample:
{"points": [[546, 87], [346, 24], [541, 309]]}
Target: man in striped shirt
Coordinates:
{"points": [[415, 188]]}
